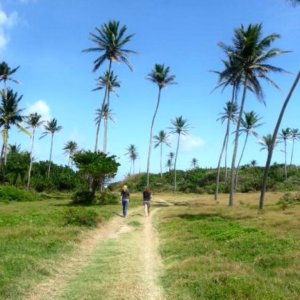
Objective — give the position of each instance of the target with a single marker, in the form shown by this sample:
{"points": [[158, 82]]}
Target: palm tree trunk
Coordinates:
{"points": [[99, 122], [270, 153], [292, 153], [150, 140], [236, 141], [241, 157], [31, 159], [161, 160], [106, 125], [50, 157], [175, 161], [5, 145], [285, 164], [220, 159]]}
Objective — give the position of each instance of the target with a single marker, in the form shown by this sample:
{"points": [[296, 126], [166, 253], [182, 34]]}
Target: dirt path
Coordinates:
{"points": [[117, 261]]}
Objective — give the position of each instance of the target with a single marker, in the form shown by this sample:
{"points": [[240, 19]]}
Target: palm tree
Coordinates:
{"points": [[284, 136], [160, 139], [10, 114], [295, 135], [69, 149], [194, 163], [34, 121], [266, 142], [160, 76], [109, 81], [5, 74], [51, 128], [230, 111], [274, 137], [170, 160], [248, 124], [250, 52], [180, 127], [133, 155]]}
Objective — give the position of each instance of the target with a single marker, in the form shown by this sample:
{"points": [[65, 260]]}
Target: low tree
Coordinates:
{"points": [[96, 167]]}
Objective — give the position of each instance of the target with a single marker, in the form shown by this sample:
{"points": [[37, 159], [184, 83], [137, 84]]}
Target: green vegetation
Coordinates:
{"points": [[211, 252]]}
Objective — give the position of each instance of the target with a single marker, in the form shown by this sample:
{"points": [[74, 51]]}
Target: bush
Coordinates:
{"points": [[288, 199], [81, 217], [107, 198], [83, 198], [11, 193], [42, 184]]}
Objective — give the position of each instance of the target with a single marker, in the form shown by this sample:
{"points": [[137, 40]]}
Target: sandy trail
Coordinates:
{"points": [[139, 275]]}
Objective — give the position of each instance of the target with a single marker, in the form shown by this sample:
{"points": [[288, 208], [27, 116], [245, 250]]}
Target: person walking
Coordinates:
{"points": [[125, 200], [147, 201]]}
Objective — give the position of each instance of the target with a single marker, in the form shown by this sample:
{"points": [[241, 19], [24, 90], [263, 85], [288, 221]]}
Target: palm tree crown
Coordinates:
{"points": [[160, 76], [6, 72]]}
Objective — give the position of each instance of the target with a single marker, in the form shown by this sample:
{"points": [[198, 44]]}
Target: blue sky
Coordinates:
{"points": [[46, 38]]}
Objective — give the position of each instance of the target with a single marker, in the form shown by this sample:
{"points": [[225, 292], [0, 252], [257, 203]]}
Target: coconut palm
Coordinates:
{"points": [[170, 160], [250, 52], [266, 142], [194, 163], [230, 112], [295, 135], [274, 137], [180, 127], [284, 136], [5, 74], [248, 125], [69, 149], [161, 77], [160, 139], [10, 114], [133, 155], [109, 81], [34, 121], [51, 128]]}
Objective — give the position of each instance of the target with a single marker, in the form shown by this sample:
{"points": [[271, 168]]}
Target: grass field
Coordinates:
{"points": [[211, 251], [34, 236]]}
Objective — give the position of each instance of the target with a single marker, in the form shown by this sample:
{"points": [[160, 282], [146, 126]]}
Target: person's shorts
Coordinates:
{"points": [[146, 203]]}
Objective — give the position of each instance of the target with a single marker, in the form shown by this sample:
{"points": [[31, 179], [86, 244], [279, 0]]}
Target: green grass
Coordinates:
{"points": [[33, 238], [215, 252]]}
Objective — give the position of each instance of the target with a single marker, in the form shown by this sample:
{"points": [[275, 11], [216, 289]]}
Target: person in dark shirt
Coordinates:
{"points": [[147, 201], [125, 200]]}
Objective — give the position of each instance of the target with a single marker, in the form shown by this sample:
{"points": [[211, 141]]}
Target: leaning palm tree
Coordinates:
{"points": [[109, 81], [133, 155], [180, 127], [248, 125], [161, 77], [274, 137], [160, 139], [10, 114], [69, 149], [295, 135], [251, 52], [34, 121], [5, 74], [284, 136], [51, 128], [230, 112]]}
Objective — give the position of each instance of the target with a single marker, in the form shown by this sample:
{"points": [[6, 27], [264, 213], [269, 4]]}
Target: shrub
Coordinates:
{"points": [[83, 198], [107, 198], [81, 217], [11, 193], [288, 199]]}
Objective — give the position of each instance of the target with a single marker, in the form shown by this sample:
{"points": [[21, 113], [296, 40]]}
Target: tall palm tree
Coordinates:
{"points": [[248, 125], [109, 81], [285, 135], [250, 52], [180, 127], [51, 128], [295, 135], [69, 149], [161, 77], [266, 142], [5, 74], [160, 139], [133, 155], [274, 137], [230, 112], [170, 160], [10, 114], [34, 121]]}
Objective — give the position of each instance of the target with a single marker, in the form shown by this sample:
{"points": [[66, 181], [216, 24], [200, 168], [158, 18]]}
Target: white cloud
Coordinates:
{"points": [[40, 107], [6, 22], [190, 143]]}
